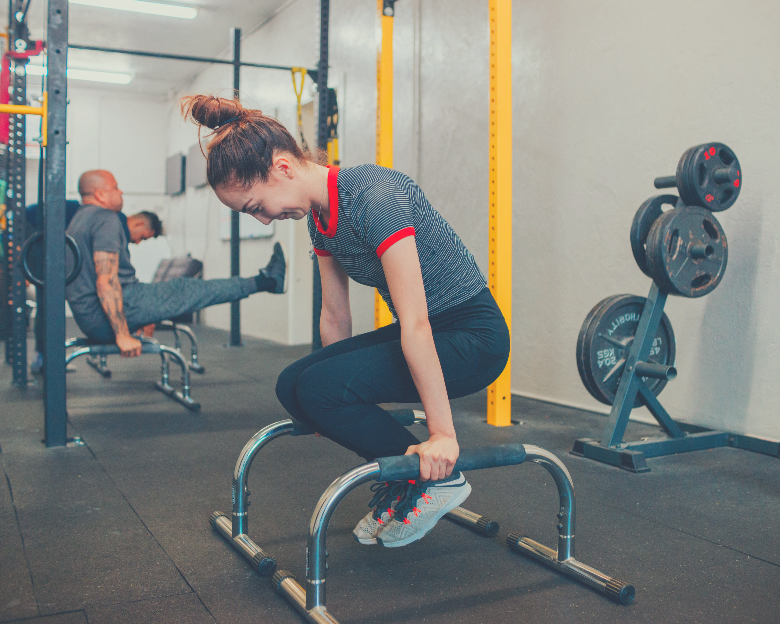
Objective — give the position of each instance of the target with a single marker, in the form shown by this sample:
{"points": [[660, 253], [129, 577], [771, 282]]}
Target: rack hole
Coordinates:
{"points": [[726, 157], [701, 281]]}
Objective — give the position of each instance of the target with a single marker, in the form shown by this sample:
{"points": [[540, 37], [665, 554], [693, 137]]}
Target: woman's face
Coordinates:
{"points": [[281, 197]]}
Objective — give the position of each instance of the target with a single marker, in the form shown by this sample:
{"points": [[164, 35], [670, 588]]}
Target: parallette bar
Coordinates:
{"points": [[617, 590], [408, 466], [656, 371], [479, 524], [261, 562]]}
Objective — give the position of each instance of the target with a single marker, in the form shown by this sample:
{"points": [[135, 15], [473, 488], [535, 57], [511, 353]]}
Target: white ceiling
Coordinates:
{"points": [[208, 35]]}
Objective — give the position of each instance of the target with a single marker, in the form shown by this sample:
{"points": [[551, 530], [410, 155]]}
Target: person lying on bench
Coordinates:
{"points": [[108, 301]]}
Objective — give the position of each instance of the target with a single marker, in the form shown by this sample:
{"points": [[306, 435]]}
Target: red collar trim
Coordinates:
{"points": [[333, 204]]}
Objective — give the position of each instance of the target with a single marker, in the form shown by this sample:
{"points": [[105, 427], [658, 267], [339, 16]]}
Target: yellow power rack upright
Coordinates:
{"points": [[384, 119], [499, 403]]}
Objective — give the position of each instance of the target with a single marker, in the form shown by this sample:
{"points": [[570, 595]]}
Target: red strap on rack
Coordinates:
{"points": [[5, 83]]}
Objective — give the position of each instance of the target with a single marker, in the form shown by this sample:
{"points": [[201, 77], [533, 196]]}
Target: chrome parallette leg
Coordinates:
{"points": [[318, 528], [164, 386], [76, 353], [563, 560], [193, 364], [236, 531], [287, 586], [261, 562], [99, 363]]}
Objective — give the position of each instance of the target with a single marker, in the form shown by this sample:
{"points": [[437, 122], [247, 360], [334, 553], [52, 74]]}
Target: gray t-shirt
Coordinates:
{"points": [[96, 229]]}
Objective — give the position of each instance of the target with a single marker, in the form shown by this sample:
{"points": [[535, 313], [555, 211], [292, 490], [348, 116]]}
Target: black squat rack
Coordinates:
{"points": [[626, 347], [310, 600], [13, 319]]}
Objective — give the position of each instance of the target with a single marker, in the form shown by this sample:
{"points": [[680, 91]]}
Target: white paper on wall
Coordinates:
{"points": [[249, 227]]}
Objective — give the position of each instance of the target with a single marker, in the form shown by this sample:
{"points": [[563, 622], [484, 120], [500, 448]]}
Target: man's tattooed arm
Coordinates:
{"points": [[109, 291]]}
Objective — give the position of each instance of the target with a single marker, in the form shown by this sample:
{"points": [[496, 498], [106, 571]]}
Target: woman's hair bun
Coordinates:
{"points": [[210, 111]]}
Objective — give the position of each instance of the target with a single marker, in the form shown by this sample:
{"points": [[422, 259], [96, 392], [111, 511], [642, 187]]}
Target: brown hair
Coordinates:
{"points": [[244, 140]]}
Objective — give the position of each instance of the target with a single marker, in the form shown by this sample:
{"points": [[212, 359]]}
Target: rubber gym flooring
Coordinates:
{"points": [[117, 530]]}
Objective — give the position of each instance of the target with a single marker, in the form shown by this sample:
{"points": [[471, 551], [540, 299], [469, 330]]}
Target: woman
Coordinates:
{"points": [[376, 226]]}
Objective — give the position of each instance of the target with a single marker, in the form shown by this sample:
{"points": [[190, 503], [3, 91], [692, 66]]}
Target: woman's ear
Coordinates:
{"points": [[283, 165]]}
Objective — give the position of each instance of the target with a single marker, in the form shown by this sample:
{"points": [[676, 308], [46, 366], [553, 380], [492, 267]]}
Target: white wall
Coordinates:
{"points": [[607, 95], [194, 216], [124, 133]]}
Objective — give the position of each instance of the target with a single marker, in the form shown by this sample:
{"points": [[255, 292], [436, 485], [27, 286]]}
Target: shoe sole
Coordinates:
{"points": [[455, 502], [365, 542]]}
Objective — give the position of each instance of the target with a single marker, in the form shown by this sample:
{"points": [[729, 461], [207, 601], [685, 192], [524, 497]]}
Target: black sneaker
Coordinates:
{"points": [[276, 269], [385, 499]]}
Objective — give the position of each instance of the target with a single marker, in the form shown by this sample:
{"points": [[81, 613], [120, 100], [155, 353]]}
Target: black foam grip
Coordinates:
{"points": [[408, 466]]}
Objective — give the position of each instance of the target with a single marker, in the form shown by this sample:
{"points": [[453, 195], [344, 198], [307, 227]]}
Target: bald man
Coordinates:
{"points": [[108, 301]]}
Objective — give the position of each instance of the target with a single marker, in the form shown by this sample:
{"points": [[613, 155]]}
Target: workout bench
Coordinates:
{"points": [[310, 601], [96, 357]]}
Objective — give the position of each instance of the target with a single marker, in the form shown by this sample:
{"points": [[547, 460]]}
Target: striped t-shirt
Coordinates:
{"points": [[371, 208]]}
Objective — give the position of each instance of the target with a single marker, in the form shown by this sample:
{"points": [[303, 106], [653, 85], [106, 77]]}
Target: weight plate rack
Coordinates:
{"points": [[626, 346]]}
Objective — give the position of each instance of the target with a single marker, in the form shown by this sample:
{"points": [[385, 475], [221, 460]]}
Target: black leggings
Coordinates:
{"points": [[335, 390]]}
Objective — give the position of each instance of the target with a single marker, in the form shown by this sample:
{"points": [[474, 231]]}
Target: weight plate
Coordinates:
{"points": [[644, 218], [582, 354], [687, 252], [682, 181], [709, 175], [608, 340]]}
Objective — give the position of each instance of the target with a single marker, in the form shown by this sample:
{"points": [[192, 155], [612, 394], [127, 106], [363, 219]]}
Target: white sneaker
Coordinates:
{"points": [[421, 507], [385, 499]]}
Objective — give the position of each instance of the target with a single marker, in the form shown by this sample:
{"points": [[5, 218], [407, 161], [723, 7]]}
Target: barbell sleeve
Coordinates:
{"points": [[656, 371], [725, 175], [665, 182]]}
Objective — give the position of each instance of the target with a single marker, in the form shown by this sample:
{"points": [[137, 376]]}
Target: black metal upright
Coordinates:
{"points": [[322, 143], [4, 266], [235, 232], [16, 343], [55, 414]]}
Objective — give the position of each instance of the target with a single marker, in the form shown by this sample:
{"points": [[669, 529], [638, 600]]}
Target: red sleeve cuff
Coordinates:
{"points": [[393, 239], [322, 252]]}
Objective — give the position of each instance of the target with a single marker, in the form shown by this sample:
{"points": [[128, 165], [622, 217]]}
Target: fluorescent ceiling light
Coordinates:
{"points": [[85, 74], [140, 6]]}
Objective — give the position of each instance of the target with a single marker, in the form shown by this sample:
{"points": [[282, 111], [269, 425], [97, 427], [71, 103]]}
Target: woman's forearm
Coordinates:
{"points": [[332, 330], [420, 352]]}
